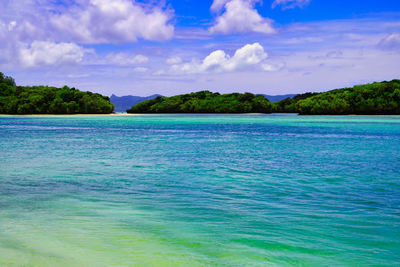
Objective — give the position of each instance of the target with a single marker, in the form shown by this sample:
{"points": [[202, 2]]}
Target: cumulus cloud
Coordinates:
{"points": [[250, 55], [29, 27], [18, 52], [87, 21], [113, 21], [125, 59], [390, 42], [288, 4], [42, 53], [240, 16]]}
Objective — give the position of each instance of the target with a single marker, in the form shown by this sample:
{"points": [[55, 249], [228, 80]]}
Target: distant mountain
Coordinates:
{"points": [[123, 103], [275, 98]]}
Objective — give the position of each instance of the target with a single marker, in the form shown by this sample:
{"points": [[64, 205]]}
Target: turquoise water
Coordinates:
{"points": [[200, 190]]}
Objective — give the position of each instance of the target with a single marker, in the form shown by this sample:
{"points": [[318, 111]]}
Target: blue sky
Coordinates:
{"points": [[172, 47]]}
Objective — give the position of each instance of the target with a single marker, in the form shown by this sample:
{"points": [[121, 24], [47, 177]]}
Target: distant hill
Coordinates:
{"points": [[123, 103], [276, 98]]}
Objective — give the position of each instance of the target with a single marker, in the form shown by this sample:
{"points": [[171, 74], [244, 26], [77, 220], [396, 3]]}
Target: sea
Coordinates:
{"points": [[199, 190]]}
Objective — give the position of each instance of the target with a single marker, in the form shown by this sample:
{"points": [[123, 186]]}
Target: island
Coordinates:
{"points": [[205, 102], [49, 100], [378, 98]]}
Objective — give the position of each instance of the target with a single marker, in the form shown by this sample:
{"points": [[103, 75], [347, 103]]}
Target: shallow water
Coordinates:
{"points": [[200, 190]]}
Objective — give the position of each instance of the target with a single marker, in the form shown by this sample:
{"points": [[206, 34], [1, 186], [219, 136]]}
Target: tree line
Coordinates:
{"points": [[375, 98], [380, 98], [205, 102], [49, 100]]}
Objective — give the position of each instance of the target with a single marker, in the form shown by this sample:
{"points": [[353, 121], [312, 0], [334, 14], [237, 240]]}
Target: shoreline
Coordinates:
{"points": [[140, 114], [64, 115]]}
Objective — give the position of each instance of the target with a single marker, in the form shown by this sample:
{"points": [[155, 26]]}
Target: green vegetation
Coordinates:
{"points": [[49, 100], [288, 105], [379, 98], [375, 98], [205, 102]]}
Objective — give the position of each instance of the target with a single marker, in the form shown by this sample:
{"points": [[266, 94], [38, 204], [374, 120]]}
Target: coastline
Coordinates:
{"points": [[65, 115], [140, 114]]}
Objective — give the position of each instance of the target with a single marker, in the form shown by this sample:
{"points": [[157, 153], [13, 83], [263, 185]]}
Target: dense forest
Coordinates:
{"points": [[205, 102], [49, 100], [374, 98], [381, 98], [288, 105]]}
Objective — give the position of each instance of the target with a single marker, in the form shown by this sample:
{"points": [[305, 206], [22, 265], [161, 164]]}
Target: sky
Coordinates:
{"points": [[170, 47]]}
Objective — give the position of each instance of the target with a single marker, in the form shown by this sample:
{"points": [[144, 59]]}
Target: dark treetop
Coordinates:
{"points": [[122, 103], [374, 98], [205, 102], [49, 100], [380, 98]]}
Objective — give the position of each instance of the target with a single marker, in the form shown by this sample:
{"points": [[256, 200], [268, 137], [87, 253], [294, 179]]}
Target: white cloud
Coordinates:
{"points": [[113, 21], [86, 21], [250, 55], [12, 25], [390, 42], [125, 59], [41, 53], [288, 4], [218, 5], [174, 60], [240, 16], [272, 67]]}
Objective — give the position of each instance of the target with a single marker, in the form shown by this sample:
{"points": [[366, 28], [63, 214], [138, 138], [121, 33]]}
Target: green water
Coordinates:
{"points": [[200, 190]]}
